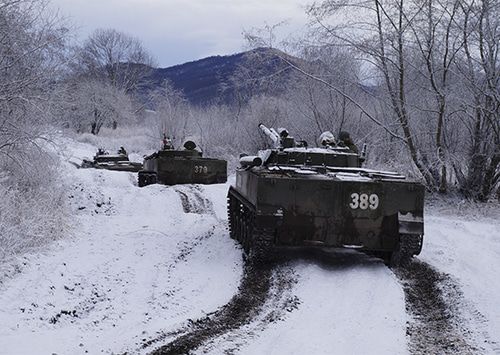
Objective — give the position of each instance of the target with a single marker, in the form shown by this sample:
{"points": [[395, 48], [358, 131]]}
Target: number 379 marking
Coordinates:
{"points": [[200, 169], [364, 201]]}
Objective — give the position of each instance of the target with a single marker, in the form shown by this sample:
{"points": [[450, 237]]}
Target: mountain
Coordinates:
{"points": [[213, 79]]}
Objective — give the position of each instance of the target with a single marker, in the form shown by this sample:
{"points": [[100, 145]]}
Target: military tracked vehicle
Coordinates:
{"points": [[116, 162], [295, 196], [171, 166]]}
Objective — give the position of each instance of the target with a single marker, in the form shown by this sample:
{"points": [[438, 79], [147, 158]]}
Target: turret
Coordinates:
{"points": [[281, 140]]}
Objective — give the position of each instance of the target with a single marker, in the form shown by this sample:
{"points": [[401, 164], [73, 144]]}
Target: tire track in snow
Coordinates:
{"points": [[279, 303], [435, 303], [254, 291], [281, 298], [265, 296], [192, 202], [185, 248]]}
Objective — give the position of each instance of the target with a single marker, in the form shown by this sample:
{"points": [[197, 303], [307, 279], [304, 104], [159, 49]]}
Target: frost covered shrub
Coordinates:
{"points": [[135, 139], [32, 204]]}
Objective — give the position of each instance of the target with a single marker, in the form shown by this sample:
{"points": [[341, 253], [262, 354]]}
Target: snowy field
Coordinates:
{"points": [[148, 267]]}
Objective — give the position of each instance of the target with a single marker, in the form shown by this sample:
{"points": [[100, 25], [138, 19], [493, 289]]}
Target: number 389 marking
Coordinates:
{"points": [[200, 169], [364, 201]]}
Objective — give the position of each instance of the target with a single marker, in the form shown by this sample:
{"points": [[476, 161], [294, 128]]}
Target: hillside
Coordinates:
{"points": [[211, 80]]}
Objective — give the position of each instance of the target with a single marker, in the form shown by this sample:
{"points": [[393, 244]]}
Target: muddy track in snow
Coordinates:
{"points": [[193, 201], [279, 301], [184, 252], [244, 307], [261, 284], [434, 302], [251, 295], [265, 296]]}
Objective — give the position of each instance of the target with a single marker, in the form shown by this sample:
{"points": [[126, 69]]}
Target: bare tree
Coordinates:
{"points": [[414, 47], [117, 57], [260, 72], [435, 35], [171, 113], [481, 105], [321, 108]]}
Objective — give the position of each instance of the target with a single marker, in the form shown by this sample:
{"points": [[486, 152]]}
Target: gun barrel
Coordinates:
{"points": [[250, 160], [270, 133]]}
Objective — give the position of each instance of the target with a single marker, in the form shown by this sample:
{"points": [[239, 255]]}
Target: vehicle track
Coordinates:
{"points": [[185, 249], [265, 295], [255, 290], [280, 301], [434, 302], [251, 295], [193, 201]]}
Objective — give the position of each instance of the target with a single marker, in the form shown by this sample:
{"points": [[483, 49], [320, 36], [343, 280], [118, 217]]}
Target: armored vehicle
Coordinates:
{"points": [[117, 162], [295, 196], [171, 166]]}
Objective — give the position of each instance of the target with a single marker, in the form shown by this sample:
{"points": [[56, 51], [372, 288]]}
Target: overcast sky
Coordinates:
{"points": [[177, 31]]}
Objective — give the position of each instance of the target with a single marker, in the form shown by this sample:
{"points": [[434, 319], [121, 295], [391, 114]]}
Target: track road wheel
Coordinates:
{"points": [[262, 245], [145, 178], [153, 179], [236, 220], [408, 246], [141, 179], [248, 230], [231, 216]]}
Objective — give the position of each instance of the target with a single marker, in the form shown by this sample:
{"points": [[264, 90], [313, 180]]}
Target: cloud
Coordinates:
{"points": [[176, 31]]}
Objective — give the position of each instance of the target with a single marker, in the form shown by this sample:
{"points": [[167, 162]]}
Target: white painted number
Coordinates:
{"points": [[200, 169], [364, 201], [373, 202], [355, 201]]}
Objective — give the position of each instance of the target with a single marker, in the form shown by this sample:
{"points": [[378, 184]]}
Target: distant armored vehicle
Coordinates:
{"points": [[117, 162], [294, 196], [171, 166]]}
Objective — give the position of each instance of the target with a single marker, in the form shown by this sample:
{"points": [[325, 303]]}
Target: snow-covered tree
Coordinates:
{"points": [[119, 58], [32, 56], [92, 104]]}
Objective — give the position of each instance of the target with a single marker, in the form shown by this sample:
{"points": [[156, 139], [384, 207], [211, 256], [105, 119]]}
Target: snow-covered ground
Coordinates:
{"points": [[344, 308], [144, 264], [468, 249], [136, 264]]}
